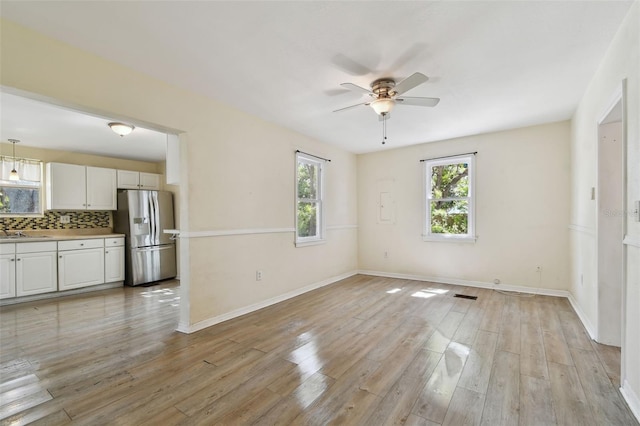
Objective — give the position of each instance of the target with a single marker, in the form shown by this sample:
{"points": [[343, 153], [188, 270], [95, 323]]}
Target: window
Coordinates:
{"points": [[449, 199], [309, 205], [22, 197]]}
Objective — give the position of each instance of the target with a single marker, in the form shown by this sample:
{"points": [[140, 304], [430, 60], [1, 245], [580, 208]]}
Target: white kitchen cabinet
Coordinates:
{"points": [[102, 191], [128, 179], [74, 187], [35, 268], [7, 271], [113, 259], [80, 263]]}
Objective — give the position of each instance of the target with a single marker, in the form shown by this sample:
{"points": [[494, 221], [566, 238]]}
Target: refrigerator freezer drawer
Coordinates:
{"points": [[149, 264]]}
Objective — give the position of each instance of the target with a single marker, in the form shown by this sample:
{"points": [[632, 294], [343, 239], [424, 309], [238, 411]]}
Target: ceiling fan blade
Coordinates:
{"points": [[357, 88], [351, 106], [410, 82], [408, 100]]}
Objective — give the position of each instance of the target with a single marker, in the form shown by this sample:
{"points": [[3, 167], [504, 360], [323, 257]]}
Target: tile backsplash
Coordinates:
{"points": [[51, 220]]}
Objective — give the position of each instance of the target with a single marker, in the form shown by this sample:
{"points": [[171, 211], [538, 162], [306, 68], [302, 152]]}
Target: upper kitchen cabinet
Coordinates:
{"points": [[74, 187], [138, 180]]}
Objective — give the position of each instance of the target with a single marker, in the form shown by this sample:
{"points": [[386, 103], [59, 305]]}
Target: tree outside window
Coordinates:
{"points": [[308, 199], [449, 198]]}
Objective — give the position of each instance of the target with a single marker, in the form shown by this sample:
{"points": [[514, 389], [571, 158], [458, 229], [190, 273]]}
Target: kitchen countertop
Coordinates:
{"points": [[40, 238]]}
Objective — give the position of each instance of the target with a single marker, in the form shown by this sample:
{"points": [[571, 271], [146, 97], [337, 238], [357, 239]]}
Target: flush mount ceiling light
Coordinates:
{"points": [[383, 106], [14, 176], [121, 129]]}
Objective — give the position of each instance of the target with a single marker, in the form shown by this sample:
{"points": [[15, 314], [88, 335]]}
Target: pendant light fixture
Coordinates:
{"points": [[14, 176], [121, 129]]}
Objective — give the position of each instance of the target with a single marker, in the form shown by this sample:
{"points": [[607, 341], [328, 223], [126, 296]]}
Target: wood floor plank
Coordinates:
{"points": [[536, 407], [434, 399], [414, 420], [610, 358], [396, 406], [607, 405], [290, 407], [533, 361], [569, 401], [465, 408], [114, 357], [477, 370], [509, 335], [574, 332], [502, 403]]}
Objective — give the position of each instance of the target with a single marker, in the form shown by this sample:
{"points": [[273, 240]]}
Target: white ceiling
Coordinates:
{"points": [[494, 64], [44, 125]]}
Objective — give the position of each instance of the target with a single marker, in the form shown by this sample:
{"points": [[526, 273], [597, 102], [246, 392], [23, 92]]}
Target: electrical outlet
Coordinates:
{"points": [[259, 275], [65, 218], [538, 268], [386, 254]]}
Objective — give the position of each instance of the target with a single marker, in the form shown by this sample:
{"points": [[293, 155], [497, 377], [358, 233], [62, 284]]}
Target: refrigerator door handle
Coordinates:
{"points": [[152, 215], [156, 210], [154, 248]]}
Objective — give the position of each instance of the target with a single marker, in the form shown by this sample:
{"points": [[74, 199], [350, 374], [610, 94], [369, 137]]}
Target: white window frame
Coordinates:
{"points": [[470, 236], [319, 238], [40, 188]]}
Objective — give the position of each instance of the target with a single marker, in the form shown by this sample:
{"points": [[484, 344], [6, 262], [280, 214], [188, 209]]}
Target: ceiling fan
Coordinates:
{"points": [[386, 94]]}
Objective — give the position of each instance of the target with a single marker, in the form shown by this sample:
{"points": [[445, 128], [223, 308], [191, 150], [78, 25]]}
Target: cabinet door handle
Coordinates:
{"points": [[106, 252], [81, 244], [18, 260], [13, 260], [60, 256]]}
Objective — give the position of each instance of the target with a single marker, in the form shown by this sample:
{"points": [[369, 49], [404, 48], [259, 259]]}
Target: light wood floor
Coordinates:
{"points": [[365, 351]]}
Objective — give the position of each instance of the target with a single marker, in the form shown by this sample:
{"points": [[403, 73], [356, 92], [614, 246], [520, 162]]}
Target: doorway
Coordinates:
{"points": [[610, 224]]}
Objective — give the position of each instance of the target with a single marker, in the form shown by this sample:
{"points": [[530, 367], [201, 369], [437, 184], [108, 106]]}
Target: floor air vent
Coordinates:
{"points": [[464, 296]]}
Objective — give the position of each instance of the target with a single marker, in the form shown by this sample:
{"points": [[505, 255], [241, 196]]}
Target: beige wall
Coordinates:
{"points": [[522, 179], [237, 174], [622, 61]]}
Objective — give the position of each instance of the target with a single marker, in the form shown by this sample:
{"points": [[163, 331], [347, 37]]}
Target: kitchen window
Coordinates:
{"points": [[449, 199], [309, 200], [24, 196]]}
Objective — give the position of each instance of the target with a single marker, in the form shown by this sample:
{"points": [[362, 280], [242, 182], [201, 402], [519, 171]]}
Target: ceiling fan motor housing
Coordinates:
{"points": [[383, 87]]}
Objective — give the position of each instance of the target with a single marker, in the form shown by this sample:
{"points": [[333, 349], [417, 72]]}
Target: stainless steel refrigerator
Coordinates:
{"points": [[150, 254]]}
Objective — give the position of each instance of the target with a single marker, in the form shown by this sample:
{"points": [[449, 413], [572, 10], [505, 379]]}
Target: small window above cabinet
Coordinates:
{"points": [[138, 180]]}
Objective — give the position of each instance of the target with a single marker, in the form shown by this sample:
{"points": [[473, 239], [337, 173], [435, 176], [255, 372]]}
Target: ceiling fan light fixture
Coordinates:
{"points": [[383, 105], [121, 129]]}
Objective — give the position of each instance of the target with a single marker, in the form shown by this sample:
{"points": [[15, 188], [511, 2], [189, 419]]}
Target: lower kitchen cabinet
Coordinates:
{"points": [[7, 272], [34, 267], [113, 264], [80, 263], [35, 273]]}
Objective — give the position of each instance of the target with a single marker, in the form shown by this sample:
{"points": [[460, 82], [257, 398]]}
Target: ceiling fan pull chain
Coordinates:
{"points": [[384, 129]]}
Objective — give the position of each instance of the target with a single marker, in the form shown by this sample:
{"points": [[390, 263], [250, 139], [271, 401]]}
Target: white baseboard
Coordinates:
{"points": [[585, 321], [632, 399], [185, 328], [468, 283]]}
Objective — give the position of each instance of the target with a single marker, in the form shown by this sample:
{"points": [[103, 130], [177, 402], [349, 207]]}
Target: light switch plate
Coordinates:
{"points": [[65, 218]]}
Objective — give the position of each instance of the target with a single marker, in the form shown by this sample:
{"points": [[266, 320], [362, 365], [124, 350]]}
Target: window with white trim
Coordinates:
{"points": [[449, 199], [22, 197], [309, 200]]}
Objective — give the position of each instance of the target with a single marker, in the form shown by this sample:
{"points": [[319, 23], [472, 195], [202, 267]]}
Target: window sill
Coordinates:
{"points": [[310, 243], [467, 239]]}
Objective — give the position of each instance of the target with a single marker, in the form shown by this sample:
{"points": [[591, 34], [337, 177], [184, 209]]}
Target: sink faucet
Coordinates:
{"points": [[19, 234]]}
